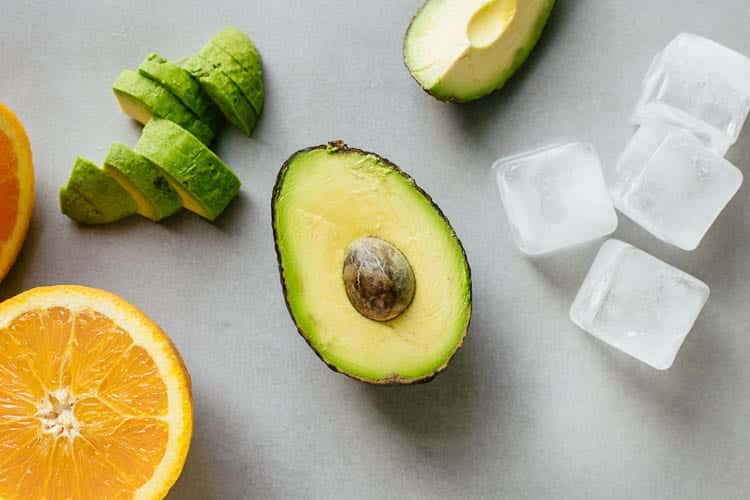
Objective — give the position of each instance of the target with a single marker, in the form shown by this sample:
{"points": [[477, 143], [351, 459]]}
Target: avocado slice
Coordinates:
{"points": [[141, 98], [92, 197], [203, 182], [143, 180], [461, 50], [183, 86], [250, 85], [238, 45], [334, 207], [224, 92]]}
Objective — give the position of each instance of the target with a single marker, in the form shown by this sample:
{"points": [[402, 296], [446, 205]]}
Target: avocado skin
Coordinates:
{"points": [[182, 85], [224, 92], [92, 197], [245, 81], [191, 164], [161, 103], [146, 178], [338, 146], [242, 49], [521, 57]]}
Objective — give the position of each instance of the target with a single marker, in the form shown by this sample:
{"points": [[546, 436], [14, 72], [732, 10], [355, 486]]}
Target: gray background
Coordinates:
{"points": [[531, 407]]}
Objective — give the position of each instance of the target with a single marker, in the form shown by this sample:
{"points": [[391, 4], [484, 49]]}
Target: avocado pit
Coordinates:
{"points": [[378, 279]]}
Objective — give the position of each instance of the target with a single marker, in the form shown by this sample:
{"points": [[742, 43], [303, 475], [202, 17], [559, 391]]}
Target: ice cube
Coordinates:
{"points": [[669, 183], [555, 197], [638, 304], [700, 85]]}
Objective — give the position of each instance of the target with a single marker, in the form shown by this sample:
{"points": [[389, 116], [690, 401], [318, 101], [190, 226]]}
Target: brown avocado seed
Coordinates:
{"points": [[379, 281]]}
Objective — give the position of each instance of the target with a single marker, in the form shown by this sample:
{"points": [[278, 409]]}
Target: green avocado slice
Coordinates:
{"points": [[142, 98], [92, 197], [144, 182], [326, 200], [239, 46], [224, 92], [249, 84], [203, 182], [461, 50], [182, 85]]}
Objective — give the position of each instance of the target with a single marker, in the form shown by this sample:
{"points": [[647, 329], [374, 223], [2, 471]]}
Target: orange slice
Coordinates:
{"points": [[16, 187], [94, 399]]}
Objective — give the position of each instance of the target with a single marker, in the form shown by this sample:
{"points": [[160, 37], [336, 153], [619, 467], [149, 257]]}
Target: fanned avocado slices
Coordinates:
{"points": [[204, 183], [375, 278], [182, 85], [92, 197], [251, 87], [141, 98], [224, 92], [239, 46], [154, 197]]}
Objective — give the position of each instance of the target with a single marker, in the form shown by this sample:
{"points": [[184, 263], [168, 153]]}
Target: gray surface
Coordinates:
{"points": [[531, 407]]}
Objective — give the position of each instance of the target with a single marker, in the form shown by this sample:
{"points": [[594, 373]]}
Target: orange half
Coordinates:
{"points": [[16, 187], [94, 399]]}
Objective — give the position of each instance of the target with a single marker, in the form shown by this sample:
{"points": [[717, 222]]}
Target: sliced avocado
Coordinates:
{"points": [[224, 92], [203, 182], [92, 197], [144, 182], [460, 50], [374, 277], [141, 98], [182, 85], [250, 85], [238, 45]]}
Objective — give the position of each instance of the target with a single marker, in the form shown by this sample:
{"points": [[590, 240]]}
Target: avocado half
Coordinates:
{"points": [[329, 199], [461, 50]]}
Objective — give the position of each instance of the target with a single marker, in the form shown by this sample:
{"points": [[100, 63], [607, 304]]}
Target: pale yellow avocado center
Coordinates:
{"points": [[463, 49], [490, 22]]}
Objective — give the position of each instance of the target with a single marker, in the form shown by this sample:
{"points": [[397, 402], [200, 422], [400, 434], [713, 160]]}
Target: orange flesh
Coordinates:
{"points": [[9, 188], [56, 364]]}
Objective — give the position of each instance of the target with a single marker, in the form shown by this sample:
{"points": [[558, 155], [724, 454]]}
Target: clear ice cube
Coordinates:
{"points": [[638, 304], [700, 85], [555, 197], [669, 183]]}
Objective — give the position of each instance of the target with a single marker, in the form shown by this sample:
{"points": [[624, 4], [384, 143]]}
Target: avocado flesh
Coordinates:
{"points": [[92, 197], [141, 98], [249, 84], [238, 45], [183, 86], [324, 199], [224, 92], [461, 50], [203, 182], [143, 180]]}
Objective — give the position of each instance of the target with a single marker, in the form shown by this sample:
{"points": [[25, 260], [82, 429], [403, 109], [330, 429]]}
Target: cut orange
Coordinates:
{"points": [[94, 399], [16, 187]]}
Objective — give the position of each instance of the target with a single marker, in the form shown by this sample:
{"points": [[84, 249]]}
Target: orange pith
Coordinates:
{"points": [[88, 409], [16, 187]]}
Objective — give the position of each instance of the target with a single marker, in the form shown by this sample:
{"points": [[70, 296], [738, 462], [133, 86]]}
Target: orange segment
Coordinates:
{"points": [[98, 344], [16, 187], [44, 337], [94, 399], [63, 479], [135, 385]]}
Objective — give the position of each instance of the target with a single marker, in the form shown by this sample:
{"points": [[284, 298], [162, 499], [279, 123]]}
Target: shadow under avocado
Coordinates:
{"points": [[474, 116], [445, 420]]}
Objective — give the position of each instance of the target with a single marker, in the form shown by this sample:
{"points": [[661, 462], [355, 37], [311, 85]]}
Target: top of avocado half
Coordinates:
{"points": [[461, 50], [351, 225]]}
